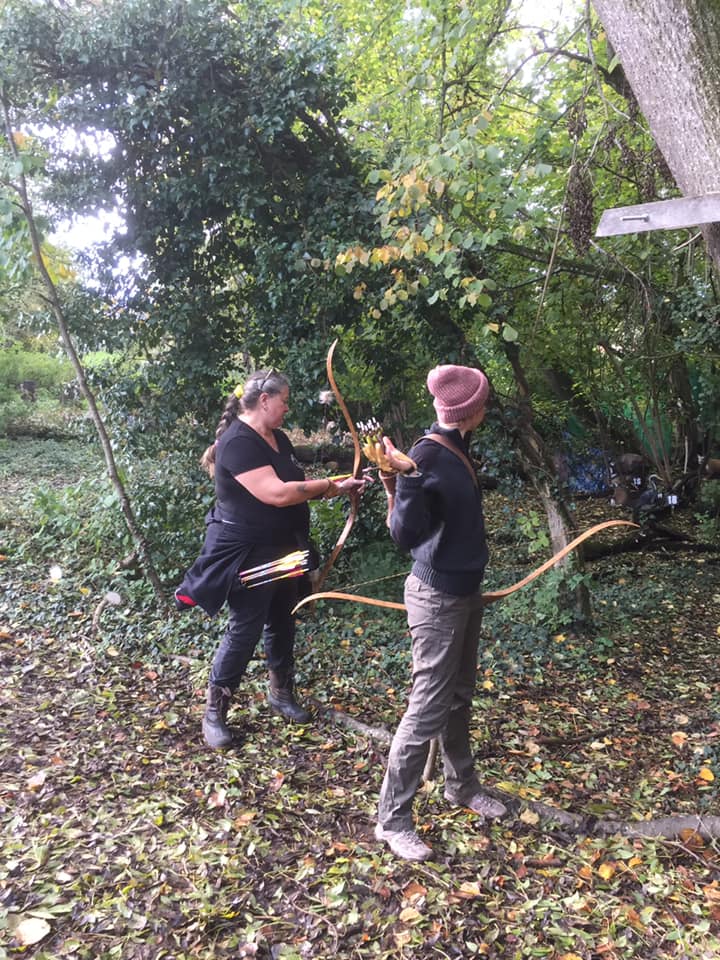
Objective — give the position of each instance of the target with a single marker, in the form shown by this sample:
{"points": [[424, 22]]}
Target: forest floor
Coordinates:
{"points": [[124, 837]]}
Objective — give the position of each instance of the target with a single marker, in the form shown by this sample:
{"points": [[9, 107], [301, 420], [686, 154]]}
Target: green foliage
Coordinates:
{"points": [[28, 462], [269, 209], [17, 364], [533, 530], [13, 415], [228, 163], [708, 515], [527, 621], [80, 525], [19, 414], [171, 499]]}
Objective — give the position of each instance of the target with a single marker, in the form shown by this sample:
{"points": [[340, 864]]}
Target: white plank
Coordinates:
{"points": [[661, 215]]}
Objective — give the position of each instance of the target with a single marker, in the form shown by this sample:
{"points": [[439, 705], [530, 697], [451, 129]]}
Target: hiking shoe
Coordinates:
{"points": [[183, 601], [405, 844], [485, 806]]}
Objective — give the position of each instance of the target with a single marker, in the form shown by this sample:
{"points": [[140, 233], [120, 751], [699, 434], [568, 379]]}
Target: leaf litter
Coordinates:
{"points": [[124, 837]]}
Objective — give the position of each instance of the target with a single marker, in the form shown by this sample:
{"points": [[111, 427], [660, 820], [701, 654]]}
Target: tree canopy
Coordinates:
{"points": [[425, 180]]}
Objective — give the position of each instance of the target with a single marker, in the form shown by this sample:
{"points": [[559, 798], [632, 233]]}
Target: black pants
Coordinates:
{"points": [[262, 612]]}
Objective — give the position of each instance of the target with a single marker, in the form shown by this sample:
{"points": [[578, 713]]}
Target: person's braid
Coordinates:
{"points": [[228, 415], [207, 461]]}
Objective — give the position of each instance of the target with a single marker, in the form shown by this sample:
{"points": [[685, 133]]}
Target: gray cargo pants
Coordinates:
{"points": [[445, 636]]}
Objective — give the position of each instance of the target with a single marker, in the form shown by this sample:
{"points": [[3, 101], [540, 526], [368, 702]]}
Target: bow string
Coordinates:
{"points": [[493, 595]]}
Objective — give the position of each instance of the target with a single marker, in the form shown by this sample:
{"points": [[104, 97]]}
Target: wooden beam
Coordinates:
{"points": [[662, 215]]}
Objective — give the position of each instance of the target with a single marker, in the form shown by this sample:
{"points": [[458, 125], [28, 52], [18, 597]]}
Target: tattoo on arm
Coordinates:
{"points": [[303, 488]]}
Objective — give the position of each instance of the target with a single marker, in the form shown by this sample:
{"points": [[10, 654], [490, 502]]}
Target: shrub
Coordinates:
{"points": [[19, 415], [18, 364], [708, 512]]}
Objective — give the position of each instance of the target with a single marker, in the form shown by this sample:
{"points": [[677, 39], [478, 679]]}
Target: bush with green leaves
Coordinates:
{"points": [[708, 511], [18, 413], [17, 364], [81, 525]]}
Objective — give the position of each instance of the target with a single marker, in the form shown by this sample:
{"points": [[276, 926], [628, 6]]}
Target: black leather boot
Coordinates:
{"points": [[281, 696], [215, 730]]}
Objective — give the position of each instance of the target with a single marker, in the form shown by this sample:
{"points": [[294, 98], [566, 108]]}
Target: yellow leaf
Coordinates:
{"points": [[606, 870], [276, 782], [679, 738], [410, 915], [706, 774], [691, 838], [469, 889], [570, 956], [529, 816], [488, 685]]}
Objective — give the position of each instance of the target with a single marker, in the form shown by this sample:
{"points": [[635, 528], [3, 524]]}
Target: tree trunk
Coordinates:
{"points": [[670, 52], [539, 466], [56, 307]]}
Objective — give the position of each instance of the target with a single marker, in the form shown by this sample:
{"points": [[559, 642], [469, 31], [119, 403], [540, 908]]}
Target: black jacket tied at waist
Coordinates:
{"points": [[229, 544]]}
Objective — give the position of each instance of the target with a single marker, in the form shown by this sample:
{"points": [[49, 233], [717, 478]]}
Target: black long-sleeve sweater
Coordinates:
{"points": [[438, 517]]}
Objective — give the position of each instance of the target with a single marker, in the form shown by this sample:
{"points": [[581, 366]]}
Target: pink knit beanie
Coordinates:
{"points": [[458, 392]]}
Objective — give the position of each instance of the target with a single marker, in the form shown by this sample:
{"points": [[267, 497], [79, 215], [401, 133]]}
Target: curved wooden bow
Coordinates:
{"points": [[357, 461], [487, 597]]}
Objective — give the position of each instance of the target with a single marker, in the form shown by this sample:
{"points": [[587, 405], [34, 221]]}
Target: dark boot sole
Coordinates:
{"points": [[217, 741], [289, 714]]}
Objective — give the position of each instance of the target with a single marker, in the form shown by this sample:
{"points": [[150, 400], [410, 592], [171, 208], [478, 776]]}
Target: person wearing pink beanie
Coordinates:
{"points": [[435, 513]]}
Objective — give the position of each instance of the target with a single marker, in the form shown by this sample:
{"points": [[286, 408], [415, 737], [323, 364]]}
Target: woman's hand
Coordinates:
{"points": [[397, 461], [351, 485]]}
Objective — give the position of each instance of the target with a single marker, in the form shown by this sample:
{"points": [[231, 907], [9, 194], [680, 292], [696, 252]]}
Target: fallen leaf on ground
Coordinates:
{"points": [[31, 930], [529, 816]]}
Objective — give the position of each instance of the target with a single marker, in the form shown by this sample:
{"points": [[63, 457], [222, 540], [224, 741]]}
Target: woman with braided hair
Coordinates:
{"points": [[261, 514]]}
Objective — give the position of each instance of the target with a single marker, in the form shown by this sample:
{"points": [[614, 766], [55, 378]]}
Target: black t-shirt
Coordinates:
{"points": [[241, 449]]}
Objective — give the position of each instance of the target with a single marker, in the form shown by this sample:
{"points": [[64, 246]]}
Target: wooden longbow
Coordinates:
{"points": [[493, 595], [357, 463]]}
